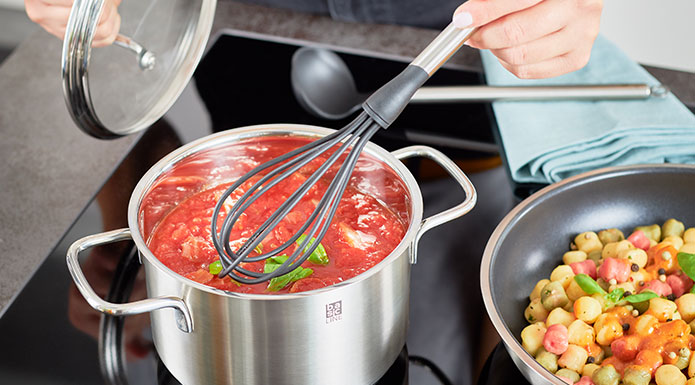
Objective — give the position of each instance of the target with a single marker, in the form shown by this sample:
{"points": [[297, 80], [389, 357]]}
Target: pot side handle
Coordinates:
{"points": [[447, 215], [183, 315]]}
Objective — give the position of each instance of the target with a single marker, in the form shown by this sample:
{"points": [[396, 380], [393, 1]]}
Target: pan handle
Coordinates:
{"points": [[447, 215], [183, 315]]}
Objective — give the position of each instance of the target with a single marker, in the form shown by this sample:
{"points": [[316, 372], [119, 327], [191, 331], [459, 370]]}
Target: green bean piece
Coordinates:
{"points": [[635, 376], [568, 374], [215, 268], [594, 256], [553, 295], [607, 375], [683, 358], [610, 235], [672, 228], [652, 231], [547, 360]]}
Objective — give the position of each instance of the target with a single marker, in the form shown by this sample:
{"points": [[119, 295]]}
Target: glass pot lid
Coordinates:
{"points": [[125, 87]]}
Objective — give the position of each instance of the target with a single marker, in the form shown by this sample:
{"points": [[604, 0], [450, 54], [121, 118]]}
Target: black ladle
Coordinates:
{"points": [[324, 87]]}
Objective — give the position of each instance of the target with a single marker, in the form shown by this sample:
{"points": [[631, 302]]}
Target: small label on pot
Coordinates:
{"points": [[334, 311]]}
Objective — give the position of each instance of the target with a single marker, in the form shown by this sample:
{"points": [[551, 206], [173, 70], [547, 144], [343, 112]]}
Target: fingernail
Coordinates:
{"points": [[462, 20]]}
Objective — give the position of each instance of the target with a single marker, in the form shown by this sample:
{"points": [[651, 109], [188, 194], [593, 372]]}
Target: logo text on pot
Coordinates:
{"points": [[334, 311]]}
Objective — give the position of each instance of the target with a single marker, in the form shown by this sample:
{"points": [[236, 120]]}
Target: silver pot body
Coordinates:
{"points": [[348, 333]]}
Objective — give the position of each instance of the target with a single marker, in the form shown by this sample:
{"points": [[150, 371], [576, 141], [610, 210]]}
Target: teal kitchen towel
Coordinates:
{"points": [[545, 142]]}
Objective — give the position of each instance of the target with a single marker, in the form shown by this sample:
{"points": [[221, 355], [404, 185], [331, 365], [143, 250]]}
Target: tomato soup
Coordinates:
{"points": [[371, 219]]}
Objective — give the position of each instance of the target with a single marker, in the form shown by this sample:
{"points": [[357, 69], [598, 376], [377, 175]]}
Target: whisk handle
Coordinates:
{"points": [[387, 103], [183, 315], [442, 48]]}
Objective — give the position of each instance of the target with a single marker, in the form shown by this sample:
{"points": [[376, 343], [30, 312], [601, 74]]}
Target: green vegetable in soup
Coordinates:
{"points": [[278, 283], [553, 295], [318, 256], [215, 268]]}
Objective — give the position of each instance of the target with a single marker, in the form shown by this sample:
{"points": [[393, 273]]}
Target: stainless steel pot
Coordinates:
{"points": [[348, 333], [529, 242]]}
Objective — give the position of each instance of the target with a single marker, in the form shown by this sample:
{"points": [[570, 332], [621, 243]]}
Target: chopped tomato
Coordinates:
{"points": [[364, 230]]}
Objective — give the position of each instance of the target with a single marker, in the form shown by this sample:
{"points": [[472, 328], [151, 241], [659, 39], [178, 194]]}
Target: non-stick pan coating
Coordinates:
{"points": [[530, 241]]}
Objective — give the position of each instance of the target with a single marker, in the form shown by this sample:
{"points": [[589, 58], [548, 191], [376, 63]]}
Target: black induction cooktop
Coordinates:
{"points": [[499, 369]]}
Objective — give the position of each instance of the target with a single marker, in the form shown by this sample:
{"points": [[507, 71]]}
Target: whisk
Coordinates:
{"points": [[379, 111]]}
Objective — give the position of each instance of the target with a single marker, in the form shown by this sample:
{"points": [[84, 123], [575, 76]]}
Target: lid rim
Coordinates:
{"points": [[76, 55]]}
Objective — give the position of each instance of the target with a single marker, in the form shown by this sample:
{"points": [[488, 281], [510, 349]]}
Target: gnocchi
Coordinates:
{"points": [[619, 309]]}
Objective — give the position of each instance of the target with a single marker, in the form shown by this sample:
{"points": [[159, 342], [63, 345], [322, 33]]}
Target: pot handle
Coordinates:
{"points": [[447, 215], [183, 315]]}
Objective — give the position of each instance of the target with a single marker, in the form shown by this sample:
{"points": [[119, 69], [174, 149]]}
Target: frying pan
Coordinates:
{"points": [[530, 240]]}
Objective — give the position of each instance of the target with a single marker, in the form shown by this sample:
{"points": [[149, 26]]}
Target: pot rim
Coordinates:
{"points": [[530, 203], [276, 129]]}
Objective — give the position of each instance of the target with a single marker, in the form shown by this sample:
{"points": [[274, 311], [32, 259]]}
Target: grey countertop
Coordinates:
{"points": [[51, 170]]}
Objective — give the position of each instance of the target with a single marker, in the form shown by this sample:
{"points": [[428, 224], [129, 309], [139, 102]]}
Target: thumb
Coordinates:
{"points": [[474, 13]]}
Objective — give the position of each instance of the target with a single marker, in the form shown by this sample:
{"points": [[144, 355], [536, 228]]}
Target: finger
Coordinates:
{"points": [[115, 26], [54, 22], [553, 45], [474, 13], [62, 3], [107, 13], [106, 29], [46, 14], [524, 26], [556, 66], [547, 47], [58, 32]]}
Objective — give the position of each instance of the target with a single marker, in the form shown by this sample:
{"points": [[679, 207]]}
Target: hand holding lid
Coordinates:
{"points": [[108, 93]]}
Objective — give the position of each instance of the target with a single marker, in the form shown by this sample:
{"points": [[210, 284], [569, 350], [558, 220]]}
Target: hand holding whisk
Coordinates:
{"points": [[379, 111]]}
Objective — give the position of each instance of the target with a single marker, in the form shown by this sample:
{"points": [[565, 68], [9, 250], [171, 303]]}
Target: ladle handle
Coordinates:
{"points": [[441, 48], [463, 94], [183, 315], [447, 215]]}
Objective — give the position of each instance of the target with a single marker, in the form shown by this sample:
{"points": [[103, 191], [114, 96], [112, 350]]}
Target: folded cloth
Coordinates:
{"points": [[545, 142]]}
